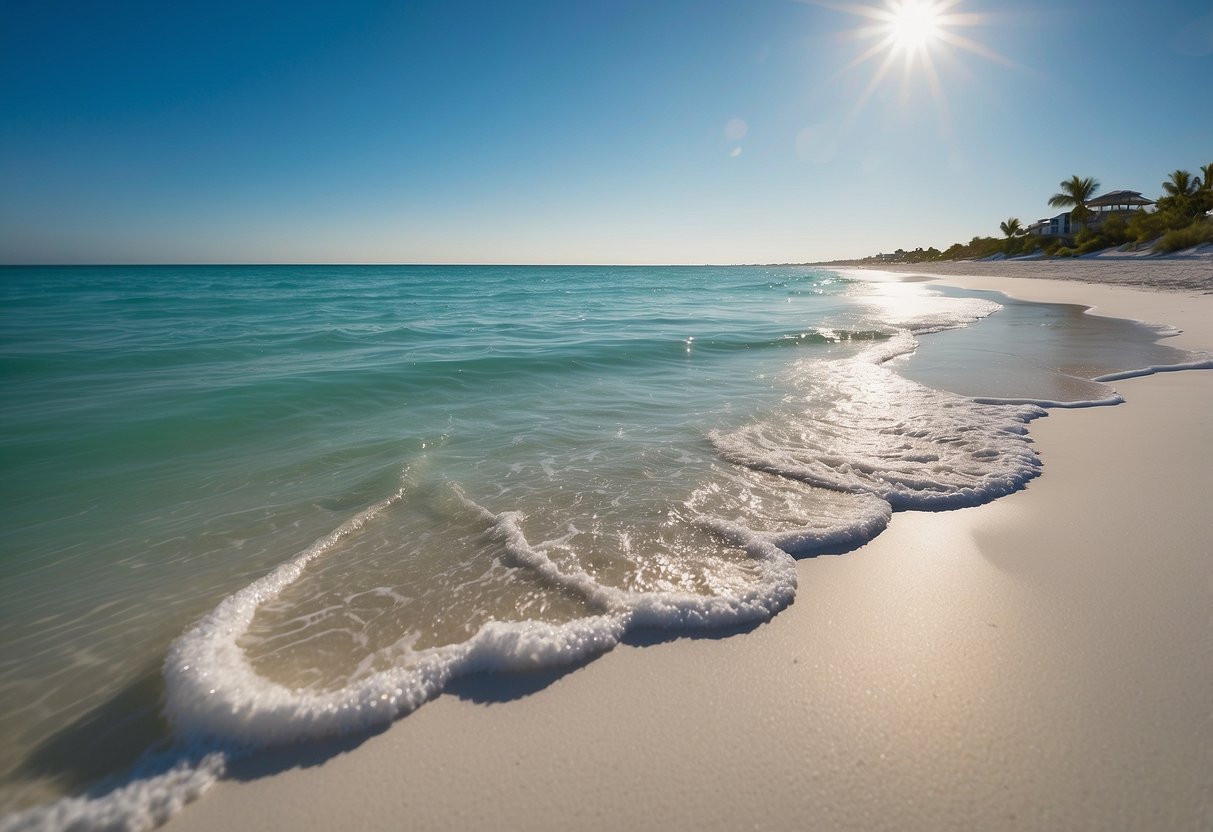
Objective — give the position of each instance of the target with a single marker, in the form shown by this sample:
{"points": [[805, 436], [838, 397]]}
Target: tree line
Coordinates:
{"points": [[1179, 220]]}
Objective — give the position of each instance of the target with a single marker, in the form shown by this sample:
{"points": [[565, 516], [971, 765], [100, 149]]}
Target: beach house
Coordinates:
{"points": [[1116, 202], [1101, 207], [1058, 226]]}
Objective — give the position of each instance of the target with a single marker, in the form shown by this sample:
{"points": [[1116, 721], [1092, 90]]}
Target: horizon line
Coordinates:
{"points": [[413, 265]]}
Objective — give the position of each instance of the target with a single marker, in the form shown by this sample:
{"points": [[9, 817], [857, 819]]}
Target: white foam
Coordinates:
{"points": [[214, 694], [795, 518], [154, 792], [1205, 363], [1050, 404], [868, 430], [671, 610]]}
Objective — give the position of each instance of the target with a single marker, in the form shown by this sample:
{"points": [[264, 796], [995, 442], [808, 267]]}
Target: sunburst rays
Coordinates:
{"points": [[916, 35]]}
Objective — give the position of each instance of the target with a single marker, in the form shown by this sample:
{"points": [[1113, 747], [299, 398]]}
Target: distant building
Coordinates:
{"points": [[1114, 202], [1101, 207], [1058, 226]]}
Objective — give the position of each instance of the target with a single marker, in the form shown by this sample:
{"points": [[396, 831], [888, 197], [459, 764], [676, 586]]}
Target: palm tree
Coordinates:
{"points": [[1180, 184], [1011, 227], [1074, 194], [1206, 174]]}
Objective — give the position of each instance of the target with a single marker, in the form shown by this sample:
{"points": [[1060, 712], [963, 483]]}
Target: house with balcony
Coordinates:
{"points": [[1058, 226], [1116, 202], [1101, 207]]}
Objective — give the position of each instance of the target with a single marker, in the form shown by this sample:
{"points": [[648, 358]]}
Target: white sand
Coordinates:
{"points": [[1190, 273], [1042, 662]]}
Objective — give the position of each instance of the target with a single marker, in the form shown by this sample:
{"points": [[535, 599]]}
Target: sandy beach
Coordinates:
{"points": [[1040, 662], [492, 416], [1190, 273]]}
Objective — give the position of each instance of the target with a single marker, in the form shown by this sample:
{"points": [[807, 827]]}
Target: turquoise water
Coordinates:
{"points": [[455, 469]]}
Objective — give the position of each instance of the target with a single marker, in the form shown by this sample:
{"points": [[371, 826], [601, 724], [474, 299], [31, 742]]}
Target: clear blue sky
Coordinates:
{"points": [[572, 131]]}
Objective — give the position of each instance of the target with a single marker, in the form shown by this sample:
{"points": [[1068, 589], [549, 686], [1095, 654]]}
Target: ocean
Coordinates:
{"points": [[247, 505]]}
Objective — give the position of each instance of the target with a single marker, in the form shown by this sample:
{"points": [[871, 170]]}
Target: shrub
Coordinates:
{"points": [[1084, 236], [984, 247], [1115, 230], [1185, 207], [1178, 239], [1015, 246], [1144, 227], [1097, 243], [922, 255]]}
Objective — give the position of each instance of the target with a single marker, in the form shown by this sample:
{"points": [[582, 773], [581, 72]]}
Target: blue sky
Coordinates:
{"points": [[582, 131]]}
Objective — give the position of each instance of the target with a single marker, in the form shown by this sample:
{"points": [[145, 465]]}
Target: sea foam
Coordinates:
{"points": [[862, 428], [159, 787], [884, 442], [863, 439]]}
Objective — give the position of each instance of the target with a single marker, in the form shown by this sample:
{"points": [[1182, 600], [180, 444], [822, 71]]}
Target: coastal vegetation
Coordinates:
{"points": [[1074, 194], [1179, 219]]}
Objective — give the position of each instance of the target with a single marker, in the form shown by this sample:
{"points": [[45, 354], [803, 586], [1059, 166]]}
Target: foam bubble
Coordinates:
{"points": [[794, 517], [213, 693], [155, 791], [1204, 363], [1050, 404], [862, 428]]}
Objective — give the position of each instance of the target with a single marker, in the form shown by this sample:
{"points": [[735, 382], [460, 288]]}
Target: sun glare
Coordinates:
{"points": [[913, 24], [918, 35]]}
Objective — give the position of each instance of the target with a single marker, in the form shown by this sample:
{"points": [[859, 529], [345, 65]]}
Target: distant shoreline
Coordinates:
{"points": [[1191, 275]]}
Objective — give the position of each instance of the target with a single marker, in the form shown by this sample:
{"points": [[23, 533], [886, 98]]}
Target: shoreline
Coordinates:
{"points": [[1036, 662], [1168, 273]]}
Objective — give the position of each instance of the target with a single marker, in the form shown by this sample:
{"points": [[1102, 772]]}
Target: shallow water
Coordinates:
{"points": [[434, 470]]}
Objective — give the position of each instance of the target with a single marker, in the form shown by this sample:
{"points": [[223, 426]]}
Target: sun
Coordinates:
{"points": [[914, 24], [914, 30], [918, 35]]}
